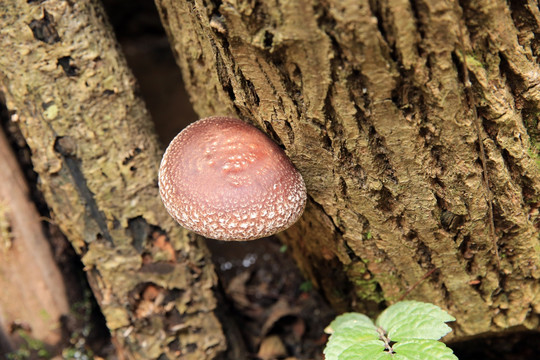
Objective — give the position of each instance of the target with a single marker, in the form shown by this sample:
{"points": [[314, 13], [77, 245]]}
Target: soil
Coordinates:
{"points": [[279, 311]]}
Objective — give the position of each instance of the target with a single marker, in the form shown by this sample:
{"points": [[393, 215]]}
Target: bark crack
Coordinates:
{"points": [[477, 125], [73, 166]]}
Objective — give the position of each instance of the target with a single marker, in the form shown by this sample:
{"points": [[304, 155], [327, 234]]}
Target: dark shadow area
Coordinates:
{"points": [[279, 313], [5, 344], [515, 346], [139, 31]]}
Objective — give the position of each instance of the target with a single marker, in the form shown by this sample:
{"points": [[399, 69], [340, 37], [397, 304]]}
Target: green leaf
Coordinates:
{"points": [[419, 328], [366, 350], [414, 320], [423, 350], [348, 330], [306, 286], [347, 319], [410, 309]]}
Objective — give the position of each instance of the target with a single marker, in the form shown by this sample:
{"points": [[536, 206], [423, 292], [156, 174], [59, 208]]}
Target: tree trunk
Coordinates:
{"points": [[71, 94], [34, 297], [415, 126]]}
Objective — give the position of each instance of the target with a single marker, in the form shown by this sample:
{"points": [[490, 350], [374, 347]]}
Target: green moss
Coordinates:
{"points": [[367, 290], [44, 314], [530, 118], [534, 152], [30, 348], [306, 286], [537, 248], [473, 62], [365, 284]]}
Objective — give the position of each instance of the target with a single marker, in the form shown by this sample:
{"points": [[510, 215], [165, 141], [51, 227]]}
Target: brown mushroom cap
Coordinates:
{"points": [[224, 179]]}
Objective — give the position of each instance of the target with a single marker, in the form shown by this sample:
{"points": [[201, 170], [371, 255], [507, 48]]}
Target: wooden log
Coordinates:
{"points": [[415, 126], [96, 153], [33, 297]]}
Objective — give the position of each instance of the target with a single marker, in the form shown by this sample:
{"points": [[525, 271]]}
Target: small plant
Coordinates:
{"points": [[30, 348], [407, 330]]}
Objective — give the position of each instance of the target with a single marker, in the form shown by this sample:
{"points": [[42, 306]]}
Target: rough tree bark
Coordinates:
{"points": [[410, 171], [70, 92]]}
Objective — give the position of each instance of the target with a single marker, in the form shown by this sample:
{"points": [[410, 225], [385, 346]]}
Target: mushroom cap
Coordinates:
{"points": [[224, 179]]}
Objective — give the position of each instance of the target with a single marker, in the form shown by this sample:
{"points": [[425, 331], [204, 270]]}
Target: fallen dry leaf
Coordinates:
{"points": [[279, 310], [237, 290], [271, 348]]}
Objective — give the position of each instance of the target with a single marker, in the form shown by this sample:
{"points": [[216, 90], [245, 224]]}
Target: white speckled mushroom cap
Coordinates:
{"points": [[224, 179]]}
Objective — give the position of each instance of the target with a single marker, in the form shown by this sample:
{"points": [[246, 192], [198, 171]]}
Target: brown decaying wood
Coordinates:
{"points": [[97, 157], [33, 293], [368, 99]]}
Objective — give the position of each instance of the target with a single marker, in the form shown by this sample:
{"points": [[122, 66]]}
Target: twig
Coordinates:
{"points": [[408, 291], [383, 336]]}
